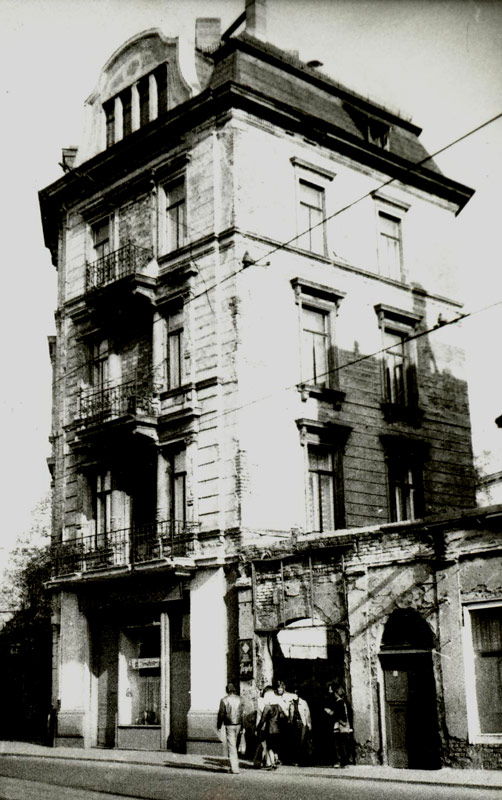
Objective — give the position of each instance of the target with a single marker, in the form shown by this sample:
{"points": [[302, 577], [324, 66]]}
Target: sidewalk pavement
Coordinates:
{"points": [[447, 776]]}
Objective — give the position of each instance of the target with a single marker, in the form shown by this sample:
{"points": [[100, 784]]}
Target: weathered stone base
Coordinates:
{"points": [[463, 755], [201, 733]]}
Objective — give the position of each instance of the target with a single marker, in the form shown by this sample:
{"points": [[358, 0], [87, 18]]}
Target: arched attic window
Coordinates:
{"points": [[136, 105]]}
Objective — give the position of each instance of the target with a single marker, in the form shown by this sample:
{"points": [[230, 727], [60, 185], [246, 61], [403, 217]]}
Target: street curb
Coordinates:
{"points": [[335, 775]]}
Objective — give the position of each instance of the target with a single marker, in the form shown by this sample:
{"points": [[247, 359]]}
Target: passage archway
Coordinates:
{"points": [[410, 708], [308, 654]]}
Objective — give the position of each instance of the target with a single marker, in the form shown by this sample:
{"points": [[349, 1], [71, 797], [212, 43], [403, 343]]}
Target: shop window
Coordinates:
{"points": [[174, 367], [139, 675], [318, 308]]}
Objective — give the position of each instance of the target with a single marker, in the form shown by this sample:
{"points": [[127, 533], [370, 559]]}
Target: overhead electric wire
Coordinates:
{"points": [[287, 243]]}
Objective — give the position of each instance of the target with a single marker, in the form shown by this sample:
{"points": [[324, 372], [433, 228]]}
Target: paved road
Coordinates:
{"points": [[31, 778]]}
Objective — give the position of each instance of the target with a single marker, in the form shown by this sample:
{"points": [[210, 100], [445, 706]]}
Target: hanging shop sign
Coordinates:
{"points": [[246, 659], [144, 663]]}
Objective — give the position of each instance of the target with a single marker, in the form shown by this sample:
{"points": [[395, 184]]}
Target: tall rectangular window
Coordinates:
{"points": [[144, 100], [126, 99], [486, 627], [175, 219], [99, 365], [321, 488], [101, 238], [160, 74], [178, 486], [103, 505], [109, 109], [315, 345], [396, 368], [404, 487], [389, 246], [175, 350], [311, 217]]}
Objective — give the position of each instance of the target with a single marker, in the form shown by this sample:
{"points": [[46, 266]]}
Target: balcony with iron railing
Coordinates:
{"points": [[126, 260], [155, 542], [131, 397]]}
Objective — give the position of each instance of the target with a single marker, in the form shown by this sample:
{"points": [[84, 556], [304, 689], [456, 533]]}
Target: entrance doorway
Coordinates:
{"points": [[410, 708], [307, 656]]}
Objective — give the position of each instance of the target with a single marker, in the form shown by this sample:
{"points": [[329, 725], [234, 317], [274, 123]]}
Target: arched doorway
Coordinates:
{"points": [[410, 709]]}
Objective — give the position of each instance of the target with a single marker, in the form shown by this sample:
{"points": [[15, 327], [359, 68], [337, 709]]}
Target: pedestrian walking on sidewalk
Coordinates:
{"points": [[230, 715], [340, 713]]}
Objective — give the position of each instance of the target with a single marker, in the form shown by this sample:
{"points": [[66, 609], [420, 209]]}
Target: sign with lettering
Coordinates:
{"points": [[246, 659], [144, 663]]}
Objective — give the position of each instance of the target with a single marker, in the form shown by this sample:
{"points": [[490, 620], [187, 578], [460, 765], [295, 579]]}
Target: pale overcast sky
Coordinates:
{"points": [[438, 61]]}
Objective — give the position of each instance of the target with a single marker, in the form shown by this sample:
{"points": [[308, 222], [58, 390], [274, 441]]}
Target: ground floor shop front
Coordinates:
{"points": [[408, 622]]}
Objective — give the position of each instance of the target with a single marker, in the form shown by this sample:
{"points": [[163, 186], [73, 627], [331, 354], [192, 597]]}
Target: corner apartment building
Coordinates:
{"points": [[251, 424]]}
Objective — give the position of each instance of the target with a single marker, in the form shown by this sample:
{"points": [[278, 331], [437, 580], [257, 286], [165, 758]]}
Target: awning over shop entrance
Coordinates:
{"points": [[304, 638]]}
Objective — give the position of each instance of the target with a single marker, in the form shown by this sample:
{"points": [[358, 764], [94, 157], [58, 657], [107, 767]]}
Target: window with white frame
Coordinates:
{"points": [[316, 343], [174, 350], [177, 464], [99, 364], [405, 461], [321, 488], [136, 104], [324, 446], [103, 505], [399, 358], [174, 216], [311, 214], [311, 184], [390, 216], [317, 308], [485, 645], [404, 487], [101, 237]]}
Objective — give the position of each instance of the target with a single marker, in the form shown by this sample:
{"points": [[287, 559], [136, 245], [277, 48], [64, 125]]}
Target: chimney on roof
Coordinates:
{"points": [[256, 18], [68, 156], [207, 33]]}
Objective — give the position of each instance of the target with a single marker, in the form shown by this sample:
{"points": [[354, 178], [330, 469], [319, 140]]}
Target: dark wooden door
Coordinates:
{"points": [[411, 718]]}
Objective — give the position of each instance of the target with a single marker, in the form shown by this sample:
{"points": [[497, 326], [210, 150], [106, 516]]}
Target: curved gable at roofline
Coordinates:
{"points": [[147, 75]]}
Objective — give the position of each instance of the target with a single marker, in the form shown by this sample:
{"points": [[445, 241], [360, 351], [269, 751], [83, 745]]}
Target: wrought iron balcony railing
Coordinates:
{"points": [[125, 261], [138, 545], [109, 402]]}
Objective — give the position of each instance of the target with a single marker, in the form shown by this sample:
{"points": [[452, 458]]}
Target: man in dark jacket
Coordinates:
{"points": [[230, 715]]}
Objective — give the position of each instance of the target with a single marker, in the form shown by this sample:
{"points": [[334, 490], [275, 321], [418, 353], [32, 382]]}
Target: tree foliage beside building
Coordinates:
{"points": [[25, 639]]}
